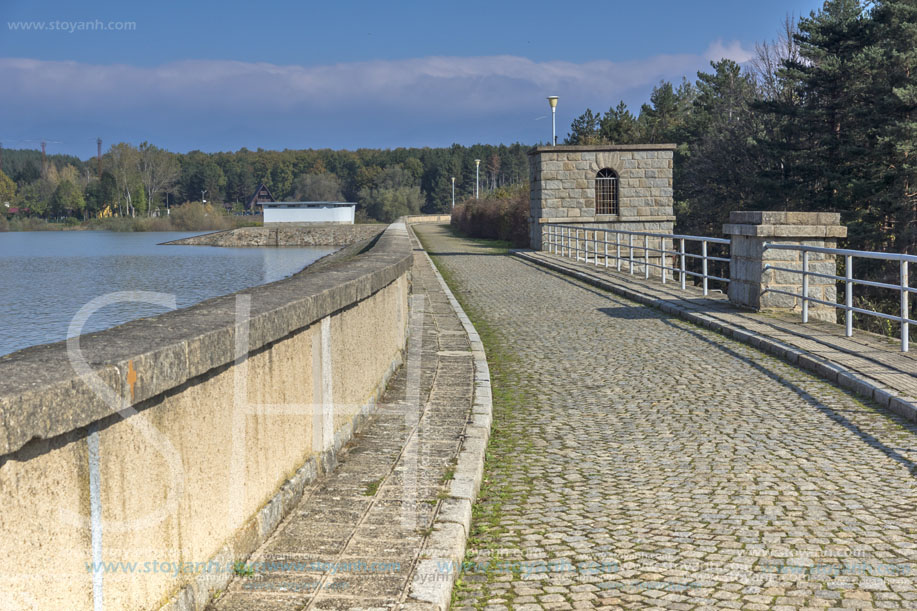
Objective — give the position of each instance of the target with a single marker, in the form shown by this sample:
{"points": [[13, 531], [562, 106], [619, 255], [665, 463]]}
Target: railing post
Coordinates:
{"points": [[703, 253], [683, 269], [605, 241], [618, 250], [630, 242], [595, 246], [646, 257], [905, 327], [805, 286], [662, 257], [848, 294]]}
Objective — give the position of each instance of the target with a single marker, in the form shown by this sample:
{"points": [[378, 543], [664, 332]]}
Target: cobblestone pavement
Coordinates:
{"points": [[875, 359], [354, 540], [637, 461]]}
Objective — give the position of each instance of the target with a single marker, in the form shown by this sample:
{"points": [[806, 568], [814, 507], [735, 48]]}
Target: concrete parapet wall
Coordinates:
{"points": [[201, 432], [427, 218], [321, 234]]}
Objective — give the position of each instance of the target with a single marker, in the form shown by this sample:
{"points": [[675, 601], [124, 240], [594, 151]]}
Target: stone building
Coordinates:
{"points": [[609, 186]]}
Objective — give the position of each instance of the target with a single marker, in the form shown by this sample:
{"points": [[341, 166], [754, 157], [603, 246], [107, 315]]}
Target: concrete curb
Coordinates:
{"points": [[843, 377], [444, 550]]}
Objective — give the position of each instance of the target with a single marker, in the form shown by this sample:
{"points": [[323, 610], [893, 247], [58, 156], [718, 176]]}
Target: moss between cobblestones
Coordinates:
{"points": [[505, 450]]}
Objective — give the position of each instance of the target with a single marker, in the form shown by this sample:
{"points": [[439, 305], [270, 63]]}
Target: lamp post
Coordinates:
{"points": [[477, 179], [453, 192], [552, 100], [203, 201]]}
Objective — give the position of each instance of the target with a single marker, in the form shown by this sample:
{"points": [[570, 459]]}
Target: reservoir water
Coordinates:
{"points": [[47, 276]]}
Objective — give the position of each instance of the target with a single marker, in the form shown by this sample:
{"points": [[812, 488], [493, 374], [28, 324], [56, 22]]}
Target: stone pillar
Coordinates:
{"points": [[751, 285]]}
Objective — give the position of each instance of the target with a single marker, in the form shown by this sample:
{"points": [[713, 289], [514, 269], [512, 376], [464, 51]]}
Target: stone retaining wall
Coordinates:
{"points": [[192, 434], [298, 235]]}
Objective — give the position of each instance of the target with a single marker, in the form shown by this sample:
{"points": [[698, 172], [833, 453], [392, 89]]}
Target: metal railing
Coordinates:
{"points": [[903, 287], [575, 241]]}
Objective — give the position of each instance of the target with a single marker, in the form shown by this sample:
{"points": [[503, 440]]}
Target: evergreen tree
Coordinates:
{"points": [[619, 126], [584, 129]]}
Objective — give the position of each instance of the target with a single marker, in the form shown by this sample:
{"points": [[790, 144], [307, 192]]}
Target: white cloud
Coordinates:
{"points": [[437, 99], [731, 50], [453, 85]]}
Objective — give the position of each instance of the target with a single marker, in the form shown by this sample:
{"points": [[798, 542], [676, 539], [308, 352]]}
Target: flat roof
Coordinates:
{"points": [[309, 204], [589, 148]]}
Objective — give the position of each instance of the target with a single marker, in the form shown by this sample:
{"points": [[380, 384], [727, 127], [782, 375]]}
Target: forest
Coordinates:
{"points": [[821, 119], [145, 180]]}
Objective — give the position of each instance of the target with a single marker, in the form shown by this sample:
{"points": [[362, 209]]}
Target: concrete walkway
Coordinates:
{"points": [[639, 461], [365, 536]]}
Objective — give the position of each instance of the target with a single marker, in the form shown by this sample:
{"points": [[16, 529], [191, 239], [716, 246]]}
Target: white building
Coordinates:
{"points": [[302, 213]]}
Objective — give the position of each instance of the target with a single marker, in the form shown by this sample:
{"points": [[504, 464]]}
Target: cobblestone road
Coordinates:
{"points": [[640, 462]]}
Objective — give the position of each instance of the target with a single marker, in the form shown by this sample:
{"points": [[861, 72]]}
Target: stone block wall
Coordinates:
{"points": [[753, 285], [563, 187]]}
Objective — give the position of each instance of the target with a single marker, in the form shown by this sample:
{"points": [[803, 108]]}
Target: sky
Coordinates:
{"points": [[341, 74]]}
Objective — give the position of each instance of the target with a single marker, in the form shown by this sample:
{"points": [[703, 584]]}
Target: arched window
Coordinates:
{"points": [[606, 192]]}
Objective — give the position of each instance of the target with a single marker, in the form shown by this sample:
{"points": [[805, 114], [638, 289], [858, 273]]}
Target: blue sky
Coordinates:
{"points": [[223, 75]]}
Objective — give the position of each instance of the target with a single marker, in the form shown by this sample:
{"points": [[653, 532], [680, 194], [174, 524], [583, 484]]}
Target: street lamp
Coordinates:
{"points": [[477, 179], [453, 191], [203, 201], [552, 100]]}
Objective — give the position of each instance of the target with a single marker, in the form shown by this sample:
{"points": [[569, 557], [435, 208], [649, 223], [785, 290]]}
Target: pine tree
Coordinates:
{"points": [[894, 90]]}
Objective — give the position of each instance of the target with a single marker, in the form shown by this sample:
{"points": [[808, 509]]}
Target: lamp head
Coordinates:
{"points": [[552, 100]]}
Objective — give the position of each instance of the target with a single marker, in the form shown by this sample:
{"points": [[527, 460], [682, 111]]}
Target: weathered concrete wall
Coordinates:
{"points": [[428, 218], [562, 181], [218, 416], [334, 234]]}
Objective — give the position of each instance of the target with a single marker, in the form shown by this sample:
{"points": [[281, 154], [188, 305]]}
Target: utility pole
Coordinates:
{"points": [[99, 156], [453, 190], [43, 170]]}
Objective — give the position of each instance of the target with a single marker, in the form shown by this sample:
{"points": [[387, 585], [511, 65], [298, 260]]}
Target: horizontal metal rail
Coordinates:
{"points": [[903, 287], [576, 242]]}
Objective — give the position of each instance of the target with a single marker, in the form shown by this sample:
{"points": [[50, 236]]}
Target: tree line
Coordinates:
{"points": [[822, 119], [145, 179]]}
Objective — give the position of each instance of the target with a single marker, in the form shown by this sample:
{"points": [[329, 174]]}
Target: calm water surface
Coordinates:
{"points": [[47, 276]]}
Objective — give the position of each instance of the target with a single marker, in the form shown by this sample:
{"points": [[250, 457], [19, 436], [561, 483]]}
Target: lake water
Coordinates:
{"points": [[47, 276]]}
